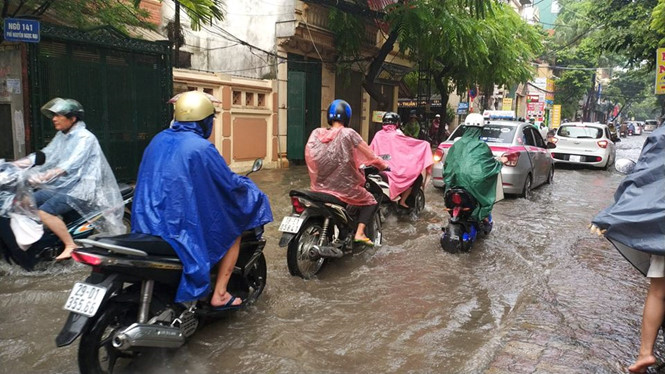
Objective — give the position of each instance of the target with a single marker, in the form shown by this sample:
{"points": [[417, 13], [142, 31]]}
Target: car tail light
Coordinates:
{"points": [[297, 205], [456, 199], [512, 157], [603, 143], [86, 258], [438, 155], [598, 159]]}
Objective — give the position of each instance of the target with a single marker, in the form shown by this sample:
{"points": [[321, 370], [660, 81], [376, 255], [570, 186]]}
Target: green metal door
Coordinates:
{"points": [[295, 135]]}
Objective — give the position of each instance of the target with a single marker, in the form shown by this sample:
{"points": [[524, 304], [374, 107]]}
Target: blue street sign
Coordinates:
{"points": [[462, 108], [21, 30]]}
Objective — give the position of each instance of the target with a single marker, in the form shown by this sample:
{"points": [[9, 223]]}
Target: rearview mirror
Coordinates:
{"points": [[258, 164]]}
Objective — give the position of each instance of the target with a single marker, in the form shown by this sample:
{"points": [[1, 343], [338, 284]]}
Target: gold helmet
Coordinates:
{"points": [[193, 106]]}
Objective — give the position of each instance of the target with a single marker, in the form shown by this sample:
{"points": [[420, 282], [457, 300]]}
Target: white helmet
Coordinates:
{"points": [[438, 116], [475, 119]]}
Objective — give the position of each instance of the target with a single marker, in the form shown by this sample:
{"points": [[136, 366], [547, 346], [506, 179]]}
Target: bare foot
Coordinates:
{"points": [[404, 206], [642, 363], [66, 254], [222, 300]]}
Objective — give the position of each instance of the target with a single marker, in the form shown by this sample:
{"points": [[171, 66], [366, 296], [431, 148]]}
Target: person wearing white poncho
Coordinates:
{"points": [[75, 176]]}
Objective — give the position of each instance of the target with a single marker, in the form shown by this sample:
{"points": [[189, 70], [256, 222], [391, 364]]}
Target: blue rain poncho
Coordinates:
{"points": [[187, 195], [635, 223]]}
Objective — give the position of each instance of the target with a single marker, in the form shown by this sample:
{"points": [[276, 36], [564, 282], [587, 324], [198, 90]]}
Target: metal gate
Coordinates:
{"points": [[122, 83]]}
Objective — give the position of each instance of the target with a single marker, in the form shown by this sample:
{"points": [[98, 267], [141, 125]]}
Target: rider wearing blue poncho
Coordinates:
{"points": [[187, 195]]}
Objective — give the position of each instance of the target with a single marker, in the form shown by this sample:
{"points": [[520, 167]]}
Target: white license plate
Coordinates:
{"points": [[575, 158], [85, 299], [291, 224]]}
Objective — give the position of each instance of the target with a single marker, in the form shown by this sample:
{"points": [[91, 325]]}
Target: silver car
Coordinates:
{"points": [[529, 161], [650, 125], [584, 143]]}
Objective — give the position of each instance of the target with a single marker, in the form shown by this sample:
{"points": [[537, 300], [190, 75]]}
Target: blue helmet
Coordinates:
{"points": [[339, 110]]}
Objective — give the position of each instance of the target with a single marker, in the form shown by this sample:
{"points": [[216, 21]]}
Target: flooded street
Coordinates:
{"points": [[539, 294]]}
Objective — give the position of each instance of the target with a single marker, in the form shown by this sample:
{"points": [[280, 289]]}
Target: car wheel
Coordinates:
{"points": [[526, 191]]}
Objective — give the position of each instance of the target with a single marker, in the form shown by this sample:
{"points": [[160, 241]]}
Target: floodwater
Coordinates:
{"points": [[539, 294]]}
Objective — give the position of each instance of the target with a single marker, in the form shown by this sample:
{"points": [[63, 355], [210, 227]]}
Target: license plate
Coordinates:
{"points": [[85, 299], [291, 224], [575, 158]]}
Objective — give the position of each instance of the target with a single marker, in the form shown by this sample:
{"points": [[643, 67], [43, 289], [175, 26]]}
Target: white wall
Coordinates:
{"points": [[251, 21]]}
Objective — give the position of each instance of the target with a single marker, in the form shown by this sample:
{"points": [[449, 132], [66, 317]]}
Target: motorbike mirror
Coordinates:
{"points": [[258, 165], [385, 157], [624, 165], [40, 158]]}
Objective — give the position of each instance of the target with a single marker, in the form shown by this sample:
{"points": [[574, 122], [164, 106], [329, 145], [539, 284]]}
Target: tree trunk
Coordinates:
{"points": [[177, 33], [441, 82], [375, 69]]}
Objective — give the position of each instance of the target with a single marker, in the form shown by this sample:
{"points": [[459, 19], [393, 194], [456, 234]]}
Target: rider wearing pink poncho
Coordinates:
{"points": [[408, 157], [333, 157]]}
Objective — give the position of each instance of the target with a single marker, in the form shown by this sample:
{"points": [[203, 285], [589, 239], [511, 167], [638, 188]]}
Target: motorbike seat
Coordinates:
{"points": [[153, 245], [125, 190], [317, 196]]}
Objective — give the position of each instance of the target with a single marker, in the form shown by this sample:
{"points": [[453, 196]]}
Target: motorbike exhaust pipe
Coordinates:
{"points": [[316, 252], [142, 335]]}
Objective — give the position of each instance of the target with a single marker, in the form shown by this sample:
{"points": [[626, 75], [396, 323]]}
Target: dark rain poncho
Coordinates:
{"points": [[187, 195], [635, 223], [471, 165]]}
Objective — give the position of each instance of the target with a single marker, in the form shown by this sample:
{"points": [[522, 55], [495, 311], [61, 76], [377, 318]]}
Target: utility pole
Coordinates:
{"points": [[177, 33]]}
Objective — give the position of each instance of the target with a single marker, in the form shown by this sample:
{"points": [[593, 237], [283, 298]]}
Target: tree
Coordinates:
{"points": [[399, 19]]}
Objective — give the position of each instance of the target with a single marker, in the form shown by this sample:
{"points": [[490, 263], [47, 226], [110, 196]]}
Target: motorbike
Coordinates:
{"points": [[321, 227], [49, 245], [415, 201], [126, 305], [461, 231]]}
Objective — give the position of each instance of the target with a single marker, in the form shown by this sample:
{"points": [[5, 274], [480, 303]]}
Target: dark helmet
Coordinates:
{"points": [[339, 110], [64, 107], [413, 114], [391, 118]]}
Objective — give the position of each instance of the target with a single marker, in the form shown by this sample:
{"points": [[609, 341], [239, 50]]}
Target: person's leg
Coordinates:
{"points": [[405, 195], [652, 318], [365, 214], [55, 224], [220, 296]]}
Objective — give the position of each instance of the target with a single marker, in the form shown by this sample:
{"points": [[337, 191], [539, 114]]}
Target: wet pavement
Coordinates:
{"points": [[538, 295]]}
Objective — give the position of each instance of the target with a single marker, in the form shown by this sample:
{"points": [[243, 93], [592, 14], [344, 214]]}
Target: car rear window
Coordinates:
{"points": [[492, 133], [580, 132]]}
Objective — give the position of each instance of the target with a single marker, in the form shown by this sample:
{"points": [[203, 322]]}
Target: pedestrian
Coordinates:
{"points": [[635, 224]]}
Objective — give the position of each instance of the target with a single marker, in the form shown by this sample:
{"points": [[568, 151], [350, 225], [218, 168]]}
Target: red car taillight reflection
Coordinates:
{"points": [[512, 157]]}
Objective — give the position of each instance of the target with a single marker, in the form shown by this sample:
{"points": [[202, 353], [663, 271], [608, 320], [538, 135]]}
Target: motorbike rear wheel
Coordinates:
{"points": [[297, 254], [256, 279], [96, 352], [451, 239], [373, 230], [419, 201]]}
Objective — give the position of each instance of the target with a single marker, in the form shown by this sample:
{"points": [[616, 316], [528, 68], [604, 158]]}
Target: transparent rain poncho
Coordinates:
{"points": [[333, 158], [75, 166]]}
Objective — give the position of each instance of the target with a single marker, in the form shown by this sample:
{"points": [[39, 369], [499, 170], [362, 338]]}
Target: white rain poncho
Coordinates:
{"points": [[75, 165]]}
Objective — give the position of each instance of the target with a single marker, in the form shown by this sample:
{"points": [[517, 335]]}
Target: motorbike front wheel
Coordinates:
{"points": [[297, 254], [96, 352]]}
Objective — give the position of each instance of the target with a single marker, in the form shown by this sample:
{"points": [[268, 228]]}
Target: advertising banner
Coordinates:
{"points": [[660, 71], [556, 115], [507, 103]]}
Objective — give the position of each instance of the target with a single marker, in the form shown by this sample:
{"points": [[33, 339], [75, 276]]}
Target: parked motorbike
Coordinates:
{"points": [[321, 227], [126, 303], [461, 231], [49, 245]]}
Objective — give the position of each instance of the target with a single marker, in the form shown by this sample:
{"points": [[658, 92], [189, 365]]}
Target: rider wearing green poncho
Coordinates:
{"points": [[471, 165]]}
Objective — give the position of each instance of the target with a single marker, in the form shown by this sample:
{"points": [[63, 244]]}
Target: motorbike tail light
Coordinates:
{"points": [[554, 139], [512, 157], [456, 199], [297, 205], [603, 143], [86, 258], [438, 155]]}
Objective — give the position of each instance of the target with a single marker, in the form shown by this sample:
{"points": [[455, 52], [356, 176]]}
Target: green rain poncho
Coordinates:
{"points": [[471, 165]]}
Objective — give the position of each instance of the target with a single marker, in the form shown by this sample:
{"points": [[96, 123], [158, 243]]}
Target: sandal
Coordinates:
{"points": [[366, 241]]}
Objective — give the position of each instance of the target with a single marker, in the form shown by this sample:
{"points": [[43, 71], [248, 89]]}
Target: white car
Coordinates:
{"points": [[584, 143]]}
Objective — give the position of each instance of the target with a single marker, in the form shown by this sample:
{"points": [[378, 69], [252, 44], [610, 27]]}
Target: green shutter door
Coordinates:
{"points": [[295, 128]]}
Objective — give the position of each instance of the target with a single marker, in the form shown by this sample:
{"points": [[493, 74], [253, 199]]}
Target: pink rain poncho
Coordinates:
{"points": [[409, 157], [333, 157]]}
